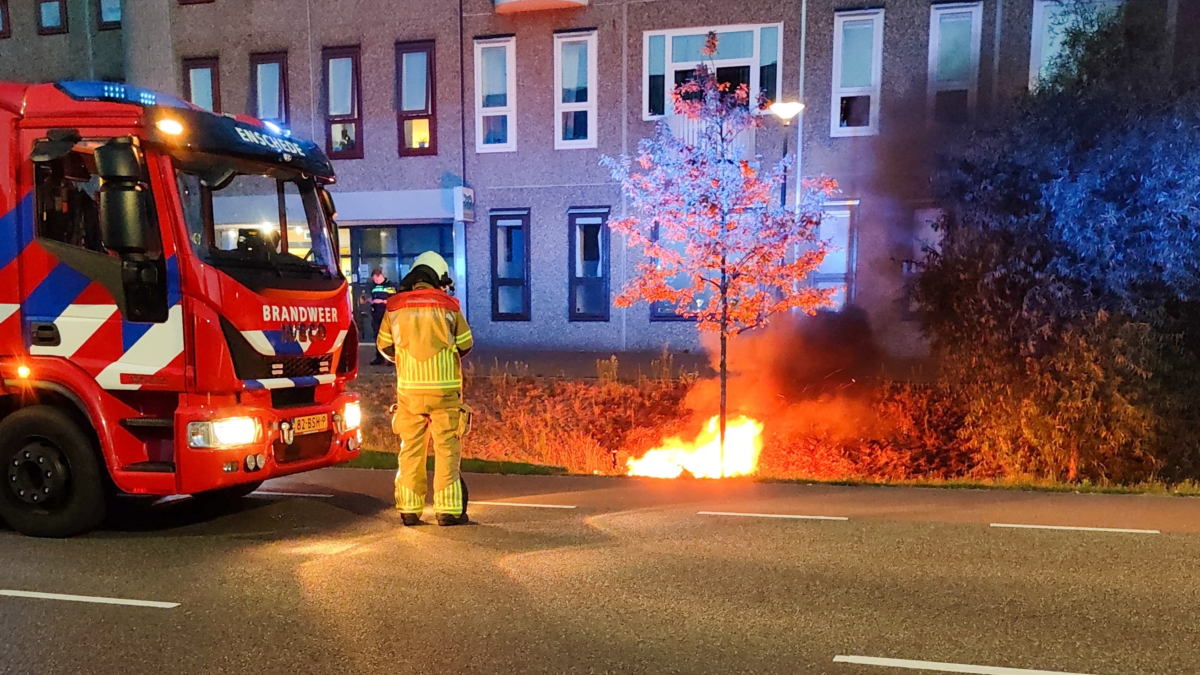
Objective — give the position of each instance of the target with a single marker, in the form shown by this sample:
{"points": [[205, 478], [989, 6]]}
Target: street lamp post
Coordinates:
{"points": [[785, 110]]}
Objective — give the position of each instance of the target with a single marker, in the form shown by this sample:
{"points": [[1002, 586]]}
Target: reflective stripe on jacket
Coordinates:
{"points": [[426, 335]]}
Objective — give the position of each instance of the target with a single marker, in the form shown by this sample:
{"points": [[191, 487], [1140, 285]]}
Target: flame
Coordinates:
{"points": [[702, 457]]}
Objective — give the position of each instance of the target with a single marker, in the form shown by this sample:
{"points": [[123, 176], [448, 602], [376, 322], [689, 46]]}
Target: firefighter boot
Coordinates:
{"points": [[447, 519], [410, 519]]}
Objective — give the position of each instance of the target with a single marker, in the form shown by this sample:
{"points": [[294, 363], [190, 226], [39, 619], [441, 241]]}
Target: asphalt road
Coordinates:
{"points": [[634, 579]]}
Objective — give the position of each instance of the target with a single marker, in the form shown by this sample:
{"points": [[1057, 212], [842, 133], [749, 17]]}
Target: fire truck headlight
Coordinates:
{"points": [[352, 415], [226, 433]]}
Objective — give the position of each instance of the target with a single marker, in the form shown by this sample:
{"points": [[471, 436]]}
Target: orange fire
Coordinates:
{"points": [[702, 457]]}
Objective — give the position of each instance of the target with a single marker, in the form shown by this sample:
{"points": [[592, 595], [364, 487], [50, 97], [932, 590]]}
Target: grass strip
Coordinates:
{"points": [[370, 459]]}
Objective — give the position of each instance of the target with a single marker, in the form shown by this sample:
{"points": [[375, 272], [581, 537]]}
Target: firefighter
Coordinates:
{"points": [[425, 334], [380, 292]]}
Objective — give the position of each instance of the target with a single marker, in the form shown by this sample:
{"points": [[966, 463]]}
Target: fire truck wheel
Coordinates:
{"points": [[53, 481]]}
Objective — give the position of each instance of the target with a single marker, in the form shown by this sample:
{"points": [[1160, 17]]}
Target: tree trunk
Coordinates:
{"points": [[724, 370]]}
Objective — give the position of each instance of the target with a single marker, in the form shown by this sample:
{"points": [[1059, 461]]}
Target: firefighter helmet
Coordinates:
{"points": [[439, 266]]}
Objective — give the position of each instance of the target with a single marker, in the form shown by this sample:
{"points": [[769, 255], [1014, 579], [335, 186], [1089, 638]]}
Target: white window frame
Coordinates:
{"points": [[1039, 25], [754, 61], [837, 92], [510, 55], [590, 105], [849, 207], [972, 83], [1035, 41]]}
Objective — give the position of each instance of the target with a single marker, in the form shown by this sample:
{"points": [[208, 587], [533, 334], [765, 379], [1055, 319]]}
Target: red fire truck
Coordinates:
{"points": [[173, 314]]}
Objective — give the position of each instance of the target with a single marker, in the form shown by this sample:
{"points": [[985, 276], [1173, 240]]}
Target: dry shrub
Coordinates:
{"points": [[583, 426]]}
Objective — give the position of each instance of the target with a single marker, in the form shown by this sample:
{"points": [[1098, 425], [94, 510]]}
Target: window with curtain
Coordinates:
{"points": [[201, 83], [269, 87], [343, 102], [575, 87], [589, 280], [954, 37], [416, 103], [495, 95]]}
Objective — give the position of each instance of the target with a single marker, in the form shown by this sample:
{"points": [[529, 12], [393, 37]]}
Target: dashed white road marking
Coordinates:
{"points": [[269, 493], [532, 506], [89, 599], [769, 515], [944, 667], [1017, 526]]}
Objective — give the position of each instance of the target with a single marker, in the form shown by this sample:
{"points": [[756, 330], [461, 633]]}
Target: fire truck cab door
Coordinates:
{"points": [[116, 313]]}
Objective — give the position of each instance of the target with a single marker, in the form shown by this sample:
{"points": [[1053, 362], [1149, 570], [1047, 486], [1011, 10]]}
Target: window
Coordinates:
{"points": [[416, 98], [495, 95], [391, 249], [269, 87], [510, 265], [5, 24], [953, 60], [343, 103], [857, 59], [837, 269], [202, 83], [108, 14], [1050, 21], [575, 87], [589, 279], [52, 17], [661, 310], [745, 55]]}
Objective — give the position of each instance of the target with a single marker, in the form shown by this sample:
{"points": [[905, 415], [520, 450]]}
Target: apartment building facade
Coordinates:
{"points": [[475, 127]]}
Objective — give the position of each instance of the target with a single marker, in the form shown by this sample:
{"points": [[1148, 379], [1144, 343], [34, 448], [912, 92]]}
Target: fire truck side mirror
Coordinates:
{"points": [[124, 212]]}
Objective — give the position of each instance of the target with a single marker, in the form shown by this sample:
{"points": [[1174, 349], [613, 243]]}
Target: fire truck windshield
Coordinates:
{"points": [[263, 226]]}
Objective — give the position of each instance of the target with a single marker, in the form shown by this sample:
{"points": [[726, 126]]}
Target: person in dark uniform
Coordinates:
{"points": [[380, 292]]}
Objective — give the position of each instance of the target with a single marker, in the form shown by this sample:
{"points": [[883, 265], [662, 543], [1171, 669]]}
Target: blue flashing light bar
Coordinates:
{"points": [[119, 93]]}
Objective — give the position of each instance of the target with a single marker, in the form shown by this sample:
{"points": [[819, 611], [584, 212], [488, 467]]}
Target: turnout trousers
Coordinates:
{"points": [[421, 417]]}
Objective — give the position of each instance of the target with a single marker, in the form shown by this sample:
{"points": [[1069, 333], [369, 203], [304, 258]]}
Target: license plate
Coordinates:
{"points": [[310, 424]]}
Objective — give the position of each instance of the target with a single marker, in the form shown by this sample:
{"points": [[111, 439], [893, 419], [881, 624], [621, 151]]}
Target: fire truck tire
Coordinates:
{"points": [[53, 479]]}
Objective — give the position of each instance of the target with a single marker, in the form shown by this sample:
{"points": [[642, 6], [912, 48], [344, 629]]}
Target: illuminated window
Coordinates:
{"points": [[202, 83], [510, 265], [588, 242], [746, 55], [575, 90], [269, 87], [108, 13], [416, 112], [953, 60], [343, 101], [495, 95], [857, 72], [52, 17]]}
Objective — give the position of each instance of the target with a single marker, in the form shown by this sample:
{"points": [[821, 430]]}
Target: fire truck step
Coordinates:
{"points": [[152, 467], [149, 422]]}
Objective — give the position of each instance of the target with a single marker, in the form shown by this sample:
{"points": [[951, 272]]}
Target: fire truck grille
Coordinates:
{"points": [[306, 447], [300, 366], [250, 365]]}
